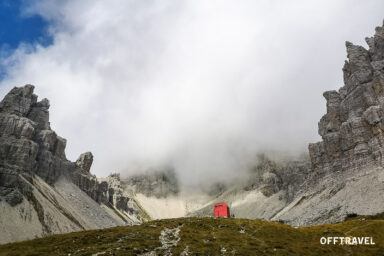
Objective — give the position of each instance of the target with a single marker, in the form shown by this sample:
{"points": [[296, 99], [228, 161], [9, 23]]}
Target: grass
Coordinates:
{"points": [[209, 236]]}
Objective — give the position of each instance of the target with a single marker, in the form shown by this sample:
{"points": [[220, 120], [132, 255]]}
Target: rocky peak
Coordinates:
{"points": [[376, 45], [29, 146], [351, 130], [19, 101], [85, 161]]}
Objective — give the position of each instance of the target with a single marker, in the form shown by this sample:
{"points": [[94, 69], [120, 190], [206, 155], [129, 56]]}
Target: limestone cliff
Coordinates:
{"points": [[352, 129], [345, 174], [43, 191]]}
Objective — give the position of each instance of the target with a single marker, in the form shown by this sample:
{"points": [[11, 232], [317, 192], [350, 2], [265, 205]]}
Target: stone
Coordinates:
{"points": [[352, 129], [317, 154], [85, 161], [378, 65], [376, 44], [271, 184], [16, 126], [28, 145], [373, 115], [33, 162], [40, 115], [157, 182], [14, 197], [18, 101], [59, 148]]}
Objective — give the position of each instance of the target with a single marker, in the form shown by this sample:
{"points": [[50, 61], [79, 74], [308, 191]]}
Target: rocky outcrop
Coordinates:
{"points": [[85, 161], [27, 144], [270, 177], [352, 128], [345, 172], [264, 176], [153, 183], [107, 191], [347, 165], [31, 153], [344, 175], [116, 195]]}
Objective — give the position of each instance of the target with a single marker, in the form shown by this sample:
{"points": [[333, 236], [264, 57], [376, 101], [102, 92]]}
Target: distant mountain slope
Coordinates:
{"points": [[43, 193], [346, 170], [209, 236], [347, 166], [157, 191], [47, 211]]}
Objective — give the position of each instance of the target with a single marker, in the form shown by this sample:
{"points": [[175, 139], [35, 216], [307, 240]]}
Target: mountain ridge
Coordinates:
{"points": [[33, 161], [43, 193]]}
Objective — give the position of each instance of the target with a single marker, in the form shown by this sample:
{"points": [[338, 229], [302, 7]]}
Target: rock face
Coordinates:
{"points": [[352, 128], [32, 153], [85, 161], [345, 174], [347, 165], [269, 187], [28, 146], [270, 177], [44, 193], [153, 183]]}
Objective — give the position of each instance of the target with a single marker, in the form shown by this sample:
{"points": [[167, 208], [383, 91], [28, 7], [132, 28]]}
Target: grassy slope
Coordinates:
{"points": [[207, 236]]}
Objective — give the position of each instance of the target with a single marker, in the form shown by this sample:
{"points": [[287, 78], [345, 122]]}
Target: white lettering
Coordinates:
{"points": [[371, 242], [348, 240]]}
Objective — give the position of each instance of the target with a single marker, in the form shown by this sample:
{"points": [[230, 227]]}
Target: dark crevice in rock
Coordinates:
{"points": [[40, 213]]}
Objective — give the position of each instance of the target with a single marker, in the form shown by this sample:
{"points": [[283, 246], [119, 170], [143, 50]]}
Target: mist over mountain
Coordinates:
{"points": [[201, 86], [201, 119]]}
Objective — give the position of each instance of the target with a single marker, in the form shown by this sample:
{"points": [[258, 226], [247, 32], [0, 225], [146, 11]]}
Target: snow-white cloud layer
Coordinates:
{"points": [[203, 85]]}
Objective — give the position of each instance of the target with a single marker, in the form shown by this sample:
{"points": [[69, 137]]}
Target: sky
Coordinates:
{"points": [[17, 28], [203, 86]]}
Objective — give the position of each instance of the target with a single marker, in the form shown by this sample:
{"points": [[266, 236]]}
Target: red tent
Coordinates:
{"points": [[221, 210]]}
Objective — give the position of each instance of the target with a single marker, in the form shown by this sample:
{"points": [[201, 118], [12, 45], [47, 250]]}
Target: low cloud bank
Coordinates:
{"points": [[202, 85]]}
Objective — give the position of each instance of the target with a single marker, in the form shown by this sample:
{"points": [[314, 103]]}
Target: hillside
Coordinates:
{"points": [[209, 236], [41, 191], [344, 173]]}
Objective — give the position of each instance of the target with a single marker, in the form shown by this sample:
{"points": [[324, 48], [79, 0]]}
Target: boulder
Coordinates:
{"points": [[85, 161]]}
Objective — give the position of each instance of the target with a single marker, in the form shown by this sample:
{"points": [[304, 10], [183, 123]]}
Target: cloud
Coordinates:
{"points": [[204, 85]]}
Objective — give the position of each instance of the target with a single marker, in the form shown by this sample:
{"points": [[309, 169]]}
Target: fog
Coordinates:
{"points": [[201, 85]]}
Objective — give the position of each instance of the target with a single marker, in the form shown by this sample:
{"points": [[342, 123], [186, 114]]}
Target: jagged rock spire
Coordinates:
{"points": [[352, 128], [27, 143], [85, 161], [19, 101]]}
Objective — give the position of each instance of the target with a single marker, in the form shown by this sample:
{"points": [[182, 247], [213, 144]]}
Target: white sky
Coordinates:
{"points": [[203, 85]]}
